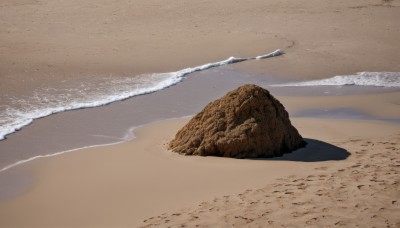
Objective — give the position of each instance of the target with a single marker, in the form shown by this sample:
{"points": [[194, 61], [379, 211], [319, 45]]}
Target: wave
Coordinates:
{"points": [[20, 112], [381, 79]]}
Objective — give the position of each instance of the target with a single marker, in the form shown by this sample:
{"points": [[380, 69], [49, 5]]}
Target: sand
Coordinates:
{"points": [[362, 191], [45, 42], [348, 176], [124, 184]]}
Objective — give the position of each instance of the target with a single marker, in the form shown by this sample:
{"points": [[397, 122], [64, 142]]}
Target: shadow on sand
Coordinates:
{"points": [[315, 151]]}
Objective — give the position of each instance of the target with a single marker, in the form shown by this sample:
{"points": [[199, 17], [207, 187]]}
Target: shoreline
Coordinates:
{"points": [[313, 110], [313, 105], [203, 86], [79, 49], [132, 137], [171, 79]]}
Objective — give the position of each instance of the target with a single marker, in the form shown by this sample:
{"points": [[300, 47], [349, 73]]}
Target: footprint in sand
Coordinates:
{"points": [[298, 203], [311, 221], [360, 186], [340, 223], [296, 180], [364, 209]]}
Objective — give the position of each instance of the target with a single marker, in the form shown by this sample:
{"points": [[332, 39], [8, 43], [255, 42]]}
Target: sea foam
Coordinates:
{"points": [[382, 79], [20, 112]]}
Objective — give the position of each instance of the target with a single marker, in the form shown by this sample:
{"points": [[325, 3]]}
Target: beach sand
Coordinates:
{"points": [[45, 42], [362, 191], [346, 163], [348, 175]]}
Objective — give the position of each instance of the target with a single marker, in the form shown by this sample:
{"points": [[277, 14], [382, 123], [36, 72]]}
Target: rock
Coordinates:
{"points": [[248, 122]]}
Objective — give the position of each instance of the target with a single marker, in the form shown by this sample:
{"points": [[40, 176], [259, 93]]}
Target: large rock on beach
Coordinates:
{"points": [[248, 122]]}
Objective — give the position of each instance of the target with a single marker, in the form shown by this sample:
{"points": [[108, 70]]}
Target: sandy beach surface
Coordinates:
{"points": [[349, 170], [348, 175], [45, 42]]}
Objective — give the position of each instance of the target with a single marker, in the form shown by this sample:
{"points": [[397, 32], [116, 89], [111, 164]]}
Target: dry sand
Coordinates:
{"points": [[122, 185], [360, 192]]}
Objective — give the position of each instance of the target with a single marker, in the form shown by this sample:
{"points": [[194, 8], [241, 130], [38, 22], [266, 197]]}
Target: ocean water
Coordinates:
{"points": [[18, 112]]}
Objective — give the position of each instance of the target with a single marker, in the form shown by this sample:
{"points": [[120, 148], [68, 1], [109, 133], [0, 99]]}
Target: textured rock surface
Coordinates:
{"points": [[248, 122]]}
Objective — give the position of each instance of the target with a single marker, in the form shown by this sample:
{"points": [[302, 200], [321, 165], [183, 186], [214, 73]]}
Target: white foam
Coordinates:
{"points": [[382, 79], [50, 155], [272, 54], [46, 102]]}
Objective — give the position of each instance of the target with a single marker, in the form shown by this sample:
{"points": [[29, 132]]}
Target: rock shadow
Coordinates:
{"points": [[314, 151]]}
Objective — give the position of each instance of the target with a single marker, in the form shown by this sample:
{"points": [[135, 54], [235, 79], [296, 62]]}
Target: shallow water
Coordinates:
{"points": [[19, 110], [341, 113], [114, 122]]}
